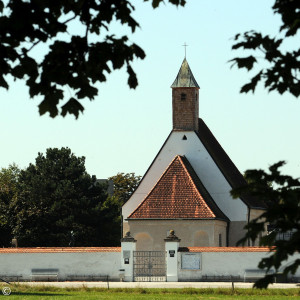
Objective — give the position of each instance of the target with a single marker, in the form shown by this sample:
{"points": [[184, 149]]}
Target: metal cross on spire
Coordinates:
{"points": [[184, 45]]}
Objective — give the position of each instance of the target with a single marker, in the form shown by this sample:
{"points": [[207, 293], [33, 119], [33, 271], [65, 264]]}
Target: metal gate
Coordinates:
{"points": [[149, 266]]}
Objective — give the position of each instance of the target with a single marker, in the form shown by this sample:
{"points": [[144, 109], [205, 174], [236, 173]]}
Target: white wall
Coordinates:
{"points": [[225, 264], [109, 263], [85, 263], [203, 165]]}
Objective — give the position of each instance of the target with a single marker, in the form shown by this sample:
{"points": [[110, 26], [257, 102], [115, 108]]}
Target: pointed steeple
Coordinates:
{"points": [[185, 77], [185, 94]]}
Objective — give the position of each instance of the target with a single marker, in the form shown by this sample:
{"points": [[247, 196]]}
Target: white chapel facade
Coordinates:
{"points": [[187, 186]]}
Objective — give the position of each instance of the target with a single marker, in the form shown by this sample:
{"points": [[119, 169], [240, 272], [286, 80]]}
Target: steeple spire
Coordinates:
{"points": [[185, 77], [185, 100]]}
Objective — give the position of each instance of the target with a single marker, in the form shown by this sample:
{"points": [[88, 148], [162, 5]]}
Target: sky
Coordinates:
{"points": [[122, 130]]}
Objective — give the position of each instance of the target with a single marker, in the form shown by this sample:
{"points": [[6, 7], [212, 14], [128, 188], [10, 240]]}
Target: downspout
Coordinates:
{"points": [[121, 217], [227, 234], [249, 210]]}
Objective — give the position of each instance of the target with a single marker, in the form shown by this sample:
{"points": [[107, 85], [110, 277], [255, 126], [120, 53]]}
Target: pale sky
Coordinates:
{"points": [[122, 130]]}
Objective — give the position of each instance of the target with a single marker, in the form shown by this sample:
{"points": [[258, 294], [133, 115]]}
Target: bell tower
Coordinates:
{"points": [[185, 99]]}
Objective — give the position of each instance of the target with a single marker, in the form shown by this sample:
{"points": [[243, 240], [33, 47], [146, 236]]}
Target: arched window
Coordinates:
{"points": [[183, 96]]}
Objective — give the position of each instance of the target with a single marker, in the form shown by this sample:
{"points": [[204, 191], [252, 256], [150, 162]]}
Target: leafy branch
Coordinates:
{"points": [[283, 73], [77, 64], [281, 193]]}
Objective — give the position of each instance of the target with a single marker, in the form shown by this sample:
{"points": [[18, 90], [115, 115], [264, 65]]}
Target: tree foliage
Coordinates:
{"points": [[281, 193], [124, 186], [283, 71], [74, 61], [8, 192], [60, 204]]}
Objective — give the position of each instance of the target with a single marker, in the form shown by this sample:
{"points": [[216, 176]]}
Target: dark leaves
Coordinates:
{"points": [[251, 85], [72, 107], [155, 3], [290, 15], [56, 196], [281, 194], [132, 80], [75, 61], [245, 62], [49, 104], [282, 74]]}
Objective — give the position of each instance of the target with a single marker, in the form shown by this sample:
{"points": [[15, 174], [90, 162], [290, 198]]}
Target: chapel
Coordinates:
{"points": [[187, 186]]}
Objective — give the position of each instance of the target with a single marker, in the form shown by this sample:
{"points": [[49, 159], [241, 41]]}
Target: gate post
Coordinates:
{"points": [[171, 246], [128, 245]]}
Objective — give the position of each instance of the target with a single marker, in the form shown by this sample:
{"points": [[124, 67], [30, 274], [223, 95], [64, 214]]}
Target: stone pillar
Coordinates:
{"points": [[171, 246], [128, 245]]}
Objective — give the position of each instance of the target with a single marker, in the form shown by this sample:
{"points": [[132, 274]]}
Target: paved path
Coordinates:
{"points": [[158, 284]]}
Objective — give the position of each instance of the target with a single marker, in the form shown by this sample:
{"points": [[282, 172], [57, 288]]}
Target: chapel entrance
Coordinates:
{"points": [[149, 266]]}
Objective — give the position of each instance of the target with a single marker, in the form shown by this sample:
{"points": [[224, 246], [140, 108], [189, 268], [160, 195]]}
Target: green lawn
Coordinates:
{"points": [[28, 293]]}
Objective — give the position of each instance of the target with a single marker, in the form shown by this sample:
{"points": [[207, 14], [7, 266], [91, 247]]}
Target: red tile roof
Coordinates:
{"points": [[222, 160], [60, 250], [178, 194], [223, 249]]}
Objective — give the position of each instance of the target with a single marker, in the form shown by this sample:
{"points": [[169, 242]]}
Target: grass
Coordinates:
{"points": [[48, 292]]}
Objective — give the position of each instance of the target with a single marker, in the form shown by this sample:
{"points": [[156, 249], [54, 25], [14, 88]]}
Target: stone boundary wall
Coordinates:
{"points": [[223, 266], [87, 266], [94, 265]]}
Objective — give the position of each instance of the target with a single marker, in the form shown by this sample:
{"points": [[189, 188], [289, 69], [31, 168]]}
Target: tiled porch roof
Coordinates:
{"points": [[178, 194]]}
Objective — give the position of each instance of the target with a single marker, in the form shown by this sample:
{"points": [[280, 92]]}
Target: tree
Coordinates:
{"points": [[59, 203], [280, 192], [124, 186], [8, 193], [283, 73], [74, 61]]}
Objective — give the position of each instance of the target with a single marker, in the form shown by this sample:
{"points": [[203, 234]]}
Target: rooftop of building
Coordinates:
{"points": [[178, 194], [185, 77]]}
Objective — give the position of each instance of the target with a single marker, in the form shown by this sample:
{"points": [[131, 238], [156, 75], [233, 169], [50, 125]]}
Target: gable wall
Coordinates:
{"points": [[203, 165], [150, 234]]}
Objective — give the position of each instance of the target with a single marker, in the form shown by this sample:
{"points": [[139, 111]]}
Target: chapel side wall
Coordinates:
{"points": [[255, 213], [86, 263], [151, 233], [236, 232], [220, 229], [225, 264]]}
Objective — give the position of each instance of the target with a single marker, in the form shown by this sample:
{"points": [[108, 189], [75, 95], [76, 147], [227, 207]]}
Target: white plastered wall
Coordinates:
{"points": [[85, 263], [204, 166], [226, 264]]}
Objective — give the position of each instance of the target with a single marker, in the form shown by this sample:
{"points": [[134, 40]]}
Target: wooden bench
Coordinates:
{"points": [[72, 277], [44, 274], [10, 278], [252, 275], [220, 278]]}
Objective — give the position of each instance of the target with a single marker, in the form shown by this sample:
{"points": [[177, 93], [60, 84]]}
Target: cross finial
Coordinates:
{"points": [[184, 45]]}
